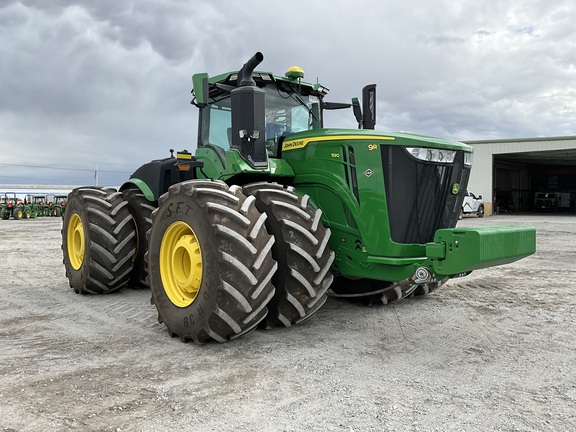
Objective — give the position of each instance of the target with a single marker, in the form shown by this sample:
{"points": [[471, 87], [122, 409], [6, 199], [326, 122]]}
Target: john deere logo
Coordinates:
{"points": [[455, 188]]}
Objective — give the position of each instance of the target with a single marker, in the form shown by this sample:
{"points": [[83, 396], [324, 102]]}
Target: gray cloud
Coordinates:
{"points": [[107, 83]]}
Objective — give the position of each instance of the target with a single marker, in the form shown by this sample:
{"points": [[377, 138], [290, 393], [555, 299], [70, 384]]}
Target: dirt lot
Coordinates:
{"points": [[493, 351]]}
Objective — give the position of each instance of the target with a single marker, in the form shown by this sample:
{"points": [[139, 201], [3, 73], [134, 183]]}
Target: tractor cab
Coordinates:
{"points": [[270, 108], [277, 105]]}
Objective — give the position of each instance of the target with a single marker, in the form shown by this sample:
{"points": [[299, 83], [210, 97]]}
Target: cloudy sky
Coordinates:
{"points": [[106, 84]]}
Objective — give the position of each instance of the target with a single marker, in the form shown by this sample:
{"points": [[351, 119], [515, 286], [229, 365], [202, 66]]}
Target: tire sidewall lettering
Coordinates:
{"points": [[178, 208]]}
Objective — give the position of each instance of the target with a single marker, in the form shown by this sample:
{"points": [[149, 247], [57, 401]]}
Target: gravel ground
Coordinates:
{"points": [[492, 351]]}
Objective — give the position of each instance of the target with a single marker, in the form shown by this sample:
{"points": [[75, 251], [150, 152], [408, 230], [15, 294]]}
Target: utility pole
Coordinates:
{"points": [[96, 176]]}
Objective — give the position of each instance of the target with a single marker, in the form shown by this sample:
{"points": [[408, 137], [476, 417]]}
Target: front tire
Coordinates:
{"points": [[302, 252], [98, 240], [210, 265]]}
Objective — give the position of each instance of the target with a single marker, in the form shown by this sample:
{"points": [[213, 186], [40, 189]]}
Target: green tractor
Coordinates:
{"points": [[37, 204], [43, 206], [57, 206], [274, 212], [13, 207]]}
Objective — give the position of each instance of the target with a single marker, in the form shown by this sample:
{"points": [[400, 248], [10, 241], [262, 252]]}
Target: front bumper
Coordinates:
{"points": [[461, 250]]}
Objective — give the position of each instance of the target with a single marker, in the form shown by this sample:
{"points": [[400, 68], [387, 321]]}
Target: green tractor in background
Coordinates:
{"points": [[274, 211], [12, 206], [42, 202], [57, 206], [38, 205]]}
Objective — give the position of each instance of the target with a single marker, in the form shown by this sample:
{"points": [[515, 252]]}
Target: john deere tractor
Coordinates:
{"points": [[274, 212], [12, 206], [37, 205], [57, 206]]}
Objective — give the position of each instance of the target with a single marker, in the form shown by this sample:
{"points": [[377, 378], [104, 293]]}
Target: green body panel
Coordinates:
{"points": [[235, 167], [360, 228]]}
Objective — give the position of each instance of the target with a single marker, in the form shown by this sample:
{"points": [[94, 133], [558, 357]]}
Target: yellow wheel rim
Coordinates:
{"points": [[181, 264], [75, 241]]}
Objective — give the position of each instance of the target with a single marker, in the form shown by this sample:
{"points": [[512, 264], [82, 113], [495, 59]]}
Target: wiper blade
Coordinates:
{"points": [[296, 96]]}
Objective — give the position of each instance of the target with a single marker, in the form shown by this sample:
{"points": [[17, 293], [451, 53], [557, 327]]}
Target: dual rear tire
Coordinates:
{"points": [[98, 240], [301, 250], [224, 259]]}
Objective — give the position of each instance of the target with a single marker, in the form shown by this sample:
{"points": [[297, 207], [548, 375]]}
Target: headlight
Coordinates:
{"points": [[432, 155], [468, 157]]}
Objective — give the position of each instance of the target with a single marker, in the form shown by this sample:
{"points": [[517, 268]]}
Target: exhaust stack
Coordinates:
{"points": [[248, 116]]}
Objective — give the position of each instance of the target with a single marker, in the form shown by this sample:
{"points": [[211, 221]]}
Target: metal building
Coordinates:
{"points": [[510, 173]]}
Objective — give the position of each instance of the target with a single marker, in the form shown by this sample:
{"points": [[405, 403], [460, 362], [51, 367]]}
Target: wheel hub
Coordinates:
{"points": [[75, 241], [181, 264]]}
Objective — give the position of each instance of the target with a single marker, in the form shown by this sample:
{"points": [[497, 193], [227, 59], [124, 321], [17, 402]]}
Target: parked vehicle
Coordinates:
{"points": [[57, 206], [472, 204], [39, 206], [11, 206], [551, 201]]}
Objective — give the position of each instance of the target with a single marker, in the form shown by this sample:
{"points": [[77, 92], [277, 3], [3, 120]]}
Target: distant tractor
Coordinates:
{"points": [[274, 211], [12, 207], [57, 206], [39, 206]]}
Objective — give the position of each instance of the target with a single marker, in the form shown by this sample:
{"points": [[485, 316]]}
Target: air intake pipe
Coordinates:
{"points": [[245, 74]]}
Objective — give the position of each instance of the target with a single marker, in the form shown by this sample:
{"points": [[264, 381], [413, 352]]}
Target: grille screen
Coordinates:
{"points": [[419, 194]]}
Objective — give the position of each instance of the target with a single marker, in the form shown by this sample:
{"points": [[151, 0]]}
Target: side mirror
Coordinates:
{"points": [[200, 85], [357, 111], [369, 106]]}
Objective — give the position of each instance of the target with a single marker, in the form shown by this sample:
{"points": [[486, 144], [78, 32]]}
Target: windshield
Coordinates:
{"points": [[285, 113]]}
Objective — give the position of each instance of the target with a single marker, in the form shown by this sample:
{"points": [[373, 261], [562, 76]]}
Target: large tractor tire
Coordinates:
{"points": [[17, 213], [141, 210], [302, 252], [98, 240], [210, 262]]}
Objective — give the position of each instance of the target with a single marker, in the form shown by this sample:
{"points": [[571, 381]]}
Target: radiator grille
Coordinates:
{"points": [[420, 194]]}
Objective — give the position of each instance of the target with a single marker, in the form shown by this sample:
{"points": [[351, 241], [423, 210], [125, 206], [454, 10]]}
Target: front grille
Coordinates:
{"points": [[419, 194]]}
